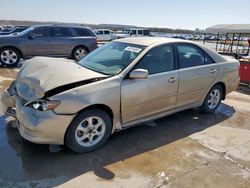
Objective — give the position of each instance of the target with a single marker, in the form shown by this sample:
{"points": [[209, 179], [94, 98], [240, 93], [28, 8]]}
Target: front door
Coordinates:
{"points": [[38, 42], [142, 98]]}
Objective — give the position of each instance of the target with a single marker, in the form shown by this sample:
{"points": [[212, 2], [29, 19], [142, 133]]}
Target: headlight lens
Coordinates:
{"points": [[45, 105]]}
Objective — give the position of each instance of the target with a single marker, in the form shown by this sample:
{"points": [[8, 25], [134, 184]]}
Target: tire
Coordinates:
{"points": [[81, 129], [79, 53], [9, 57], [212, 100]]}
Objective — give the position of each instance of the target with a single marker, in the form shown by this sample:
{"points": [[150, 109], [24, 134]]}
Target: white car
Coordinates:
{"points": [[134, 32], [105, 35]]}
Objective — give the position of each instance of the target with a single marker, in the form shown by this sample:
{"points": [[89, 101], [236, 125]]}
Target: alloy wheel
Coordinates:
{"points": [[9, 57], [214, 98], [80, 53], [90, 131]]}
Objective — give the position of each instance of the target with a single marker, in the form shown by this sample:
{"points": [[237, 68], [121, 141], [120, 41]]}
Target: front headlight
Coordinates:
{"points": [[44, 105]]}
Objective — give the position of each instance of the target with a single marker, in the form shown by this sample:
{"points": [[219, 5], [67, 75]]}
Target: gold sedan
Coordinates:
{"points": [[122, 83]]}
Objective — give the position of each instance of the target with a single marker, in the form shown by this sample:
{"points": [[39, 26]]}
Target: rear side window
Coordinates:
{"points": [[61, 32], [139, 32], [208, 59], [191, 56], [157, 60], [133, 32], [82, 32], [106, 32]]}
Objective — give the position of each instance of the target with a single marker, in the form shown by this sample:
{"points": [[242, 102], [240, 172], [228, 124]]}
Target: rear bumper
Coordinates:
{"points": [[43, 127]]}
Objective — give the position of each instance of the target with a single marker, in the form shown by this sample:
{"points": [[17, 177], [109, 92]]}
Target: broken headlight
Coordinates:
{"points": [[44, 105]]}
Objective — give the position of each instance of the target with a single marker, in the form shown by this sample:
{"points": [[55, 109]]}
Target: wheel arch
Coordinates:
{"points": [[101, 107]]}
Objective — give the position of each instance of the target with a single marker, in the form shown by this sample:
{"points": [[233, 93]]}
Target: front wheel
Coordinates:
{"points": [[9, 57], [88, 131], [212, 100]]}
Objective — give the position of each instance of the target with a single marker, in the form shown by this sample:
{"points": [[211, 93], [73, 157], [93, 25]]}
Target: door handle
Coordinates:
{"points": [[172, 79], [213, 71]]}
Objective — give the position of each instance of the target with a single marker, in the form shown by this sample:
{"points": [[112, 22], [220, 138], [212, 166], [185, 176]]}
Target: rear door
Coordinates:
{"points": [[140, 33], [197, 73], [38, 42], [141, 98], [62, 41], [107, 35]]}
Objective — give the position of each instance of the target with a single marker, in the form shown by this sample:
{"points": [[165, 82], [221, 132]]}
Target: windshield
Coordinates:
{"points": [[24, 32], [111, 58]]}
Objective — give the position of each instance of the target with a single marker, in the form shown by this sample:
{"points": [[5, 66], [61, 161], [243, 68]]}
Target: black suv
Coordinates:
{"points": [[47, 40]]}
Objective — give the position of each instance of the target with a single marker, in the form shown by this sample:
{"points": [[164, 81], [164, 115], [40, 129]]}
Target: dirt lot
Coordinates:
{"points": [[188, 149]]}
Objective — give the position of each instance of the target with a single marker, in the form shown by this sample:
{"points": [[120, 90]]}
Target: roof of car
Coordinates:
{"points": [[61, 25], [147, 41]]}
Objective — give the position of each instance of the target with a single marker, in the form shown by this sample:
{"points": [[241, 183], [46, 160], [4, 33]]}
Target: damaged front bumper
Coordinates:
{"points": [[44, 127], [8, 100]]}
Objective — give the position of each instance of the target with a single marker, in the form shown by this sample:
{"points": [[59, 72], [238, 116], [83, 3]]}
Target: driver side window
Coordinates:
{"points": [[40, 32], [157, 60]]}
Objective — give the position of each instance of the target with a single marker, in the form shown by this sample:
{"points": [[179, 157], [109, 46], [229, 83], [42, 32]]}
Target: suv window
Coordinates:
{"points": [[40, 32], [61, 32], [157, 60], [106, 32], [139, 32], [99, 32], [82, 32], [190, 56], [146, 32], [133, 32]]}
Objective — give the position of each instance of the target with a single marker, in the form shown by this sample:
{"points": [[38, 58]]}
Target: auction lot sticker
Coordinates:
{"points": [[133, 49]]}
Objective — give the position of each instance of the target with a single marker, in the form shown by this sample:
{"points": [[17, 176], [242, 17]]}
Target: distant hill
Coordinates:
{"points": [[96, 26]]}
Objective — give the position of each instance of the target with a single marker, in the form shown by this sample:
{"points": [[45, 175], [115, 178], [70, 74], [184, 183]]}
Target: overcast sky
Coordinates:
{"points": [[185, 14]]}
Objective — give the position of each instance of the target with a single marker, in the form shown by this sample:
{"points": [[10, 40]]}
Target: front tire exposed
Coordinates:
{"points": [[9, 57], [88, 131], [212, 100]]}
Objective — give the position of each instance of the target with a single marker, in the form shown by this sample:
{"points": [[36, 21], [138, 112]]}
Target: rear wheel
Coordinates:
{"points": [[88, 131], [212, 100], [79, 53], [9, 57]]}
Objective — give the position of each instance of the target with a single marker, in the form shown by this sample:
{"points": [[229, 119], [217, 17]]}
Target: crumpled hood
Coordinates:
{"points": [[41, 74]]}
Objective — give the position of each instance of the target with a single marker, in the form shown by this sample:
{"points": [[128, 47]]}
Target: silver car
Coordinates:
{"points": [[121, 84]]}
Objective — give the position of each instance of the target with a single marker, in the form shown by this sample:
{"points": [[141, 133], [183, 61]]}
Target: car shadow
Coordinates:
{"points": [[24, 161]]}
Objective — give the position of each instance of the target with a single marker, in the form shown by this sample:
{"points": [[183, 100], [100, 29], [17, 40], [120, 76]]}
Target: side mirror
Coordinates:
{"points": [[31, 36], [139, 74]]}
